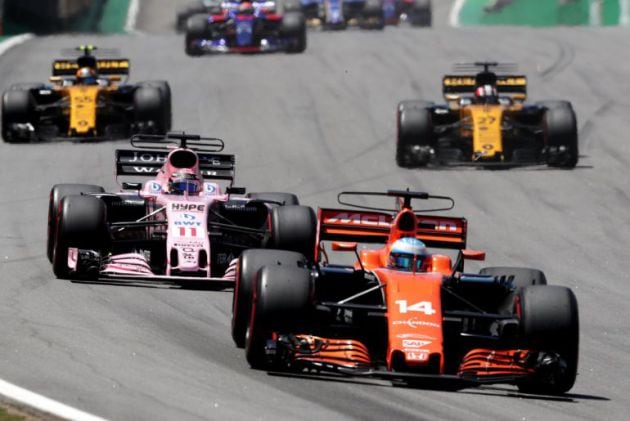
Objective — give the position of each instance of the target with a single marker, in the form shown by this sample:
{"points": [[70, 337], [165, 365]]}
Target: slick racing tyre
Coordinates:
{"points": [[282, 303], [249, 263], [165, 92], [81, 224], [291, 6], [278, 198], [549, 323], [58, 192], [186, 11], [294, 30], [415, 134], [196, 29], [293, 228], [521, 278], [420, 14], [373, 14], [560, 131], [149, 110], [18, 107]]}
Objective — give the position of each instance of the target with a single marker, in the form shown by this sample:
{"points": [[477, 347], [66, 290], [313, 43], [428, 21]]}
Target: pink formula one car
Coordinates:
{"points": [[186, 224]]}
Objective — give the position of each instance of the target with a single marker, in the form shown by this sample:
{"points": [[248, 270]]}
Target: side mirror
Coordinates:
{"points": [[235, 190], [338, 246], [473, 254], [347, 246], [132, 186]]}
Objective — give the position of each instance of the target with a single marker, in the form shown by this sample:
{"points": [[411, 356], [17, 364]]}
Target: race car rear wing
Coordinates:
{"points": [[104, 67], [456, 86], [374, 227], [146, 162]]}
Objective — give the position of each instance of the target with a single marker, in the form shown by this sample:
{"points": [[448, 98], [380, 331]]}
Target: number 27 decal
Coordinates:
{"points": [[486, 120]]}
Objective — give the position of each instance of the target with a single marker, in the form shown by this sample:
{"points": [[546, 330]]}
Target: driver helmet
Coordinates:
{"points": [[486, 94], [246, 8], [408, 254], [184, 181], [86, 76]]}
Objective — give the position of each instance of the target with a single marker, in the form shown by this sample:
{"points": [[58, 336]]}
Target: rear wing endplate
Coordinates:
{"points": [[104, 67], [374, 227], [456, 86], [133, 162]]}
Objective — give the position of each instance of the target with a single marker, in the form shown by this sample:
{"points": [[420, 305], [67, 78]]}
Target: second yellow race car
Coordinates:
{"points": [[486, 122], [86, 98]]}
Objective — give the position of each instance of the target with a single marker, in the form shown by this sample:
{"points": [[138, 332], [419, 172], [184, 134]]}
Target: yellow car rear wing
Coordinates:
{"points": [[456, 86], [104, 67]]}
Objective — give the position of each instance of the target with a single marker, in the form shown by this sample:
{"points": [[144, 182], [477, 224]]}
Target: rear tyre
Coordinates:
{"points": [[81, 224], [291, 6], [421, 14], [549, 322], [18, 107], [196, 29], [560, 129], [282, 198], [373, 10], [415, 134], [165, 93], [149, 110], [185, 12], [293, 228], [294, 28], [58, 192], [249, 263], [282, 302]]}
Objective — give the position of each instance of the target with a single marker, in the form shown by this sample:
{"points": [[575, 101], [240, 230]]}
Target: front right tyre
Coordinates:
{"points": [[81, 224], [414, 140]]}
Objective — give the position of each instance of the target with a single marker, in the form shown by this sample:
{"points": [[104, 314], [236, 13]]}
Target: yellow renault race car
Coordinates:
{"points": [[86, 98], [486, 122]]}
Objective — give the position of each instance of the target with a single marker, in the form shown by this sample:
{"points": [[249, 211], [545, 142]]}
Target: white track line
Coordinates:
{"points": [[132, 16], [455, 10], [45, 404], [13, 41]]}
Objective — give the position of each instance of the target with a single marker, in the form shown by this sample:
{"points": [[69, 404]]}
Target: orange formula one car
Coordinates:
{"points": [[400, 312]]}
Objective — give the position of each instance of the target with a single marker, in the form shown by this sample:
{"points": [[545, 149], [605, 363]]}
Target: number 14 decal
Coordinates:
{"points": [[425, 307]]}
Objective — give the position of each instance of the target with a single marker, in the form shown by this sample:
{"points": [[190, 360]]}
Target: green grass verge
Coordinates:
{"points": [[539, 13], [114, 16], [109, 18], [10, 416]]}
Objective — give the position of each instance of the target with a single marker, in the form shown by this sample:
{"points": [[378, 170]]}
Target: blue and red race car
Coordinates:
{"points": [[246, 27]]}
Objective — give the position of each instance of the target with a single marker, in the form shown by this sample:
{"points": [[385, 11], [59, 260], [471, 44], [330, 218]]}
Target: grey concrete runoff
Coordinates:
{"points": [[316, 124]]}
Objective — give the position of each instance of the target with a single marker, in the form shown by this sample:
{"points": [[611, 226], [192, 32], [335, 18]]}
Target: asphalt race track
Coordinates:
{"points": [[316, 124]]}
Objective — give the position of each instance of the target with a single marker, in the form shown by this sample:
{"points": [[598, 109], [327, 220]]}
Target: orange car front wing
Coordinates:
{"points": [[352, 358]]}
